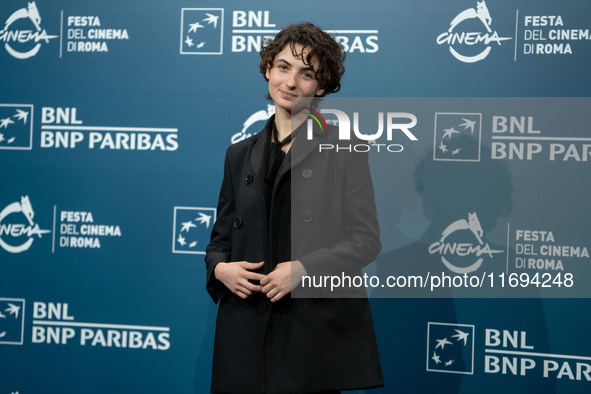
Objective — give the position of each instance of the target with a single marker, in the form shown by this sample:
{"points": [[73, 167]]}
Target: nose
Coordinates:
{"points": [[290, 81]]}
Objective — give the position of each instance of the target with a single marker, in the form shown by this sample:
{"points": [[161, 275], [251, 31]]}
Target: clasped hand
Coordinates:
{"points": [[236, 276]]}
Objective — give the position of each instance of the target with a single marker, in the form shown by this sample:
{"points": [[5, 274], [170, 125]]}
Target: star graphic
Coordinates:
{"points": [[212, 19], [5, 122], [189, 42], [442, 147], [187, 226], [441, 343], [194, 27], [461, 336], [193, 244], [203, 218], [456, 151], [436, 358], [2, 334], [10, 140], [449, 132], [13, 310], [468, 124], [1, 137], [448, 363], [21, 115], [181, 240], [200, 45]]}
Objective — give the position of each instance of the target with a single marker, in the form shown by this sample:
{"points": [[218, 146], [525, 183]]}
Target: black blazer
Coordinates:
{"points": [[297, 344]]}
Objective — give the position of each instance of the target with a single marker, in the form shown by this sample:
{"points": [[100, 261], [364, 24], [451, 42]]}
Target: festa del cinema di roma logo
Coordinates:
{"points": [[457, 255], [256, 121], [21, 43], [460, 40], [18, 233]]}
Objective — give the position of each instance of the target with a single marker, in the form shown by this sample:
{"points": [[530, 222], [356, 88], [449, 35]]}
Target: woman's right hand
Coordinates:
{"points": [[235, 276]]}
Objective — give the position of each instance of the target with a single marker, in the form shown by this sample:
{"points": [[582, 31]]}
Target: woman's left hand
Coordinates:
{"points": [[278, 283]]}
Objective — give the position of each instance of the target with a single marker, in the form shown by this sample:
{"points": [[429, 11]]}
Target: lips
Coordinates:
{"points": [[286, 95]]}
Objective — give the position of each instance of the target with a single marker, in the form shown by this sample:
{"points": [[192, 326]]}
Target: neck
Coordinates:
{"points": [[287, 122]]}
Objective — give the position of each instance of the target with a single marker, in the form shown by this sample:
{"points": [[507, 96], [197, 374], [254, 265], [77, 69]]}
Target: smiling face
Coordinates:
{"points": [[289, 77]]}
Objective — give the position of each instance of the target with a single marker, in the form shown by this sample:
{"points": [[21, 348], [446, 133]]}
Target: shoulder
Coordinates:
{"points": [[243, 147], [247, 144], [331, 135]]}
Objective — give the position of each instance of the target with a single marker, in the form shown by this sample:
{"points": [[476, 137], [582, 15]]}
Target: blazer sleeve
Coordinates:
{"points": [[219, 248], [360, 242]]}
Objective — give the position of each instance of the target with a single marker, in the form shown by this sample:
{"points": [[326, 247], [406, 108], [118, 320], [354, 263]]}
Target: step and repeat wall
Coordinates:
{"points": [[114, 120]]}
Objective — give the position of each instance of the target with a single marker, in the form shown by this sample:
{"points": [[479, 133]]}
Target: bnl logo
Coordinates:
{"points": [[450, 348], [16, 126], [457, 136], [192, 229], [12, 322], [202, 31]]}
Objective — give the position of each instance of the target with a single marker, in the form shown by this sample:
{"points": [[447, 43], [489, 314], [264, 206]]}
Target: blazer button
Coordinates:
{"points": [[306, 216], [248, 179], [307, 173], [237, 222]]}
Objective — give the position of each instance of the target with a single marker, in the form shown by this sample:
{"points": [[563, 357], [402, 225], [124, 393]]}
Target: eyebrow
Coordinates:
{"points": [[308, 68]]}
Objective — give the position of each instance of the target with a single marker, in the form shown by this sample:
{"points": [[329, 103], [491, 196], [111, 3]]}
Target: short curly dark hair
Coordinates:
{"points": [[320, 45]]}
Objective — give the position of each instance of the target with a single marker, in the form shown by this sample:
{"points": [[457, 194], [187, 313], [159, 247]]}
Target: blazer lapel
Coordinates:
{"points": [[258, 150], [300, 149], [302, 146]]}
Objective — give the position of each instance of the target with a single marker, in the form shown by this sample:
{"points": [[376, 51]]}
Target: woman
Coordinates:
{"points": [[266, 341]]}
